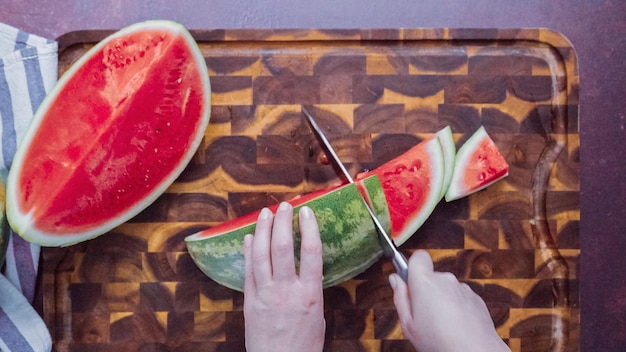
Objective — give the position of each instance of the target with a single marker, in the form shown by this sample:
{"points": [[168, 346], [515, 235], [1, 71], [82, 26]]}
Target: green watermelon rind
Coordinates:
{"points": [[456, 190], [23, 223], [449, 154], [349, 239]]}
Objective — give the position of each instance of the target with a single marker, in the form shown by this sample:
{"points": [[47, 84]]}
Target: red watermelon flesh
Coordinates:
{"points": [[412, 184], [478, 164], [117, 129]]}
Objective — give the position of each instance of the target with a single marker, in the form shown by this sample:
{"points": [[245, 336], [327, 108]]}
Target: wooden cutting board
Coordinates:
{"points": [[380, 92]]}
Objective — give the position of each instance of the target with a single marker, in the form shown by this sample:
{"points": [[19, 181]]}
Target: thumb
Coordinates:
{"points": [[421, 262]]}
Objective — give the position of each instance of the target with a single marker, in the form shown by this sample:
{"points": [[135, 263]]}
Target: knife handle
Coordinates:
{"points": [[401, 264]]}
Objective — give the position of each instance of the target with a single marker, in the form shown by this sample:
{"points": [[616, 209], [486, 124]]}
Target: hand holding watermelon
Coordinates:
{"points": [[438, 313], [281, 307], [285, 308]]}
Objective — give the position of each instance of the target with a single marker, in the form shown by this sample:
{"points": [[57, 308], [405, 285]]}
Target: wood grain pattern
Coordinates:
{"points": [[378, 92]]}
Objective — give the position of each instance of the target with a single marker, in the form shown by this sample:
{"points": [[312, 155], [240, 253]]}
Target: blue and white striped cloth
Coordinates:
{"points": [[28, 70]]}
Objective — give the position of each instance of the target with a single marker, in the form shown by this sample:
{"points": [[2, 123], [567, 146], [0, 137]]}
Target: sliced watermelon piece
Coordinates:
{"points": [[412, 183], [349, 239], [117, 129], [478, 164], [449, 154]]}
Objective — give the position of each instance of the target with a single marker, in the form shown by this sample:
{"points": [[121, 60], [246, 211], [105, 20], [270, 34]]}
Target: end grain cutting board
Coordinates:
{"points": [[379, 92]]}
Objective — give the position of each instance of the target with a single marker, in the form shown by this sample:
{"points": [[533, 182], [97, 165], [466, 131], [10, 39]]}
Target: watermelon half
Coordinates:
{"points": [[412, 183], [349, 239], [477, 165], [117, 129]]}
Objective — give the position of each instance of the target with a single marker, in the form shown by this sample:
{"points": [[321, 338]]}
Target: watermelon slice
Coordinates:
{"points": [[117, 129], [478, 164], [349, 239], [449, 154], [412, 183], [403, 192]]}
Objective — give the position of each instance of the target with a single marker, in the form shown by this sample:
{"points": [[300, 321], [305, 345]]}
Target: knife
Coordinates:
{"points": [[389, 248]]}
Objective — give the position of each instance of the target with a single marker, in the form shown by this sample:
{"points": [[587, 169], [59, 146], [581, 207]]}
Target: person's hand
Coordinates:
{"points": [[438, 313], [283, 310]]}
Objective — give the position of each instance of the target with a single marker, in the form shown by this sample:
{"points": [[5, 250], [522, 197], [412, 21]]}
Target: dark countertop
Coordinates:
{"points": [[597, 30]]}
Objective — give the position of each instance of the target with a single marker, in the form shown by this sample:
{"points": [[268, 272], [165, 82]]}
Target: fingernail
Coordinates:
{"points": [[247, 240], [306, 212], [393, 281], [265, 214], [284, 206]]}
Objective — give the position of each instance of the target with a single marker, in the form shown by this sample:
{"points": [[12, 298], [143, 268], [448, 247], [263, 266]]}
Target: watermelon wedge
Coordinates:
{"points": [[402, 192], [478, 164], [349, 239], [117, 129], [412, 183]]}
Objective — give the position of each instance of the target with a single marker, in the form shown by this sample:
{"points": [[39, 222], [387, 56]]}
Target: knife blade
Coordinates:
{"points": [[389, 248]]}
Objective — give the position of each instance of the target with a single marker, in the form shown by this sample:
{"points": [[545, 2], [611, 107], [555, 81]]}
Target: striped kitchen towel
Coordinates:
{"points": [[28, 70]]}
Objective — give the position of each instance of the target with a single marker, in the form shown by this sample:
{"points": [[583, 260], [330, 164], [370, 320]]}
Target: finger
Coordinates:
{"points": [[283, 262], [311, 263], [248, 284], [421, 273], [261, 259], [401, 298], [421, 263]]}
